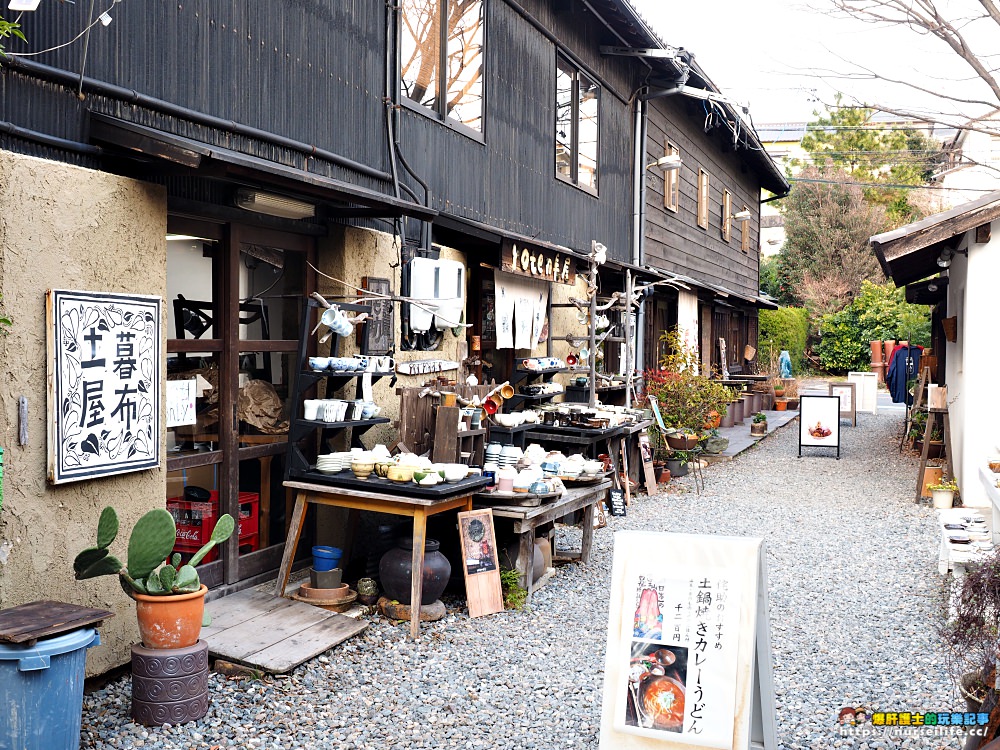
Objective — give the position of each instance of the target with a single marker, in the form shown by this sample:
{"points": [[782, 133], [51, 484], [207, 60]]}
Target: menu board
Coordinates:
{"points": [[688, 644], [819, 422]]}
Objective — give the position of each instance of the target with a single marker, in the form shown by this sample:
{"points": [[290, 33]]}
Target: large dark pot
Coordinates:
{"points": [[395, 570], [677, 468]]}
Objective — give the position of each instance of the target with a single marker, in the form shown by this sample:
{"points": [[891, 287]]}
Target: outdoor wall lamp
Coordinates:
{"points": [[274, 205], [743, 215], [23, 5], [668, 162], [944, 259]]}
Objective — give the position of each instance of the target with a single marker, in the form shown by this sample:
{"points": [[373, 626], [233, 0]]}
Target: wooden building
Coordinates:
{"points": [[231, 157]]}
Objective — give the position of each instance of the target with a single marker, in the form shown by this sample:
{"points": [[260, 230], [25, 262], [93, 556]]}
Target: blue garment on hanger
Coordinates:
{"points": [[785, 364], [904, 368]]}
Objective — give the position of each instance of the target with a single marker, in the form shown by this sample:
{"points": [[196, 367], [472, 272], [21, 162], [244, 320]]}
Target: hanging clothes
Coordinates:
{"points": [[903, 368]]}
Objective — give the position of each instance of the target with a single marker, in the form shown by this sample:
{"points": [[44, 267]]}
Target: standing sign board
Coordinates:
{"points": [[819, 422], [479, 554], [649, 475], [848, 406], [616, 502], [104, 371], [688, 662], [865, 391]]}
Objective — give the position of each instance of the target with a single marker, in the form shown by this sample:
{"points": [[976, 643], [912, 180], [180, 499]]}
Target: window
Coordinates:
{"points": [[727, 215], [703, 199], [441, 58], [671, 180], [745, 232], [578, 100]]}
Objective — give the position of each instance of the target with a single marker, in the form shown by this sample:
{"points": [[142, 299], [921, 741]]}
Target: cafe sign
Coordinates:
{"points": [[539, 263]]}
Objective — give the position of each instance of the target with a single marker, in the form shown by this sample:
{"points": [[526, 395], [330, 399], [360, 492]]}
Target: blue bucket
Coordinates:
{"points": [[326, 558], [41, 688]]}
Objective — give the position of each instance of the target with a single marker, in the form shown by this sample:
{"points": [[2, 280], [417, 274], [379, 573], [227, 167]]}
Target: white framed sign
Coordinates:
{"points": [[104, 371], [848, 406], [181, 398], [819, 422], [865, 391], [688, 662]]}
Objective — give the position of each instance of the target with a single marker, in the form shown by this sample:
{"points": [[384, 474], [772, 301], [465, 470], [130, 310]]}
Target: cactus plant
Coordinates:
{"points": [[151, 542]]}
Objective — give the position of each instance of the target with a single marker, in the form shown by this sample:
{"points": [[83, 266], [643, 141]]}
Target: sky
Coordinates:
{"points": [[759, 53]]}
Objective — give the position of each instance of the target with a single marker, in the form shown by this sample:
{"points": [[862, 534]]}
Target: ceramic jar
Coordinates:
{"points": [[396, 567], [505, 479]]}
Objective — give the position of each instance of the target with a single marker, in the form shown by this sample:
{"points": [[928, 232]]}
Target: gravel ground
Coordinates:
{"points": [[855, 599]]}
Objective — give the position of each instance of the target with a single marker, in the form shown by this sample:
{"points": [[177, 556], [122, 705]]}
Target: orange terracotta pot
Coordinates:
{"points": [[170, 621], [780, 405]]}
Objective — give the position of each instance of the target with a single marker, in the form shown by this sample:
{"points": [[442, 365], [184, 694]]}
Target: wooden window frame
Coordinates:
{"points": [[745, 232], [574, 177], [671, 181], [703, 194], [727, 216]]}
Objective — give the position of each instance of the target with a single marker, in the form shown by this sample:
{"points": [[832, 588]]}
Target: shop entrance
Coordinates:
{"points": [[234, 304]]}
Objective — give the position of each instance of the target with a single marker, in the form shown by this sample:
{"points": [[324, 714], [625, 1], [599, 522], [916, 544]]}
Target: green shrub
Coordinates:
{"points": [[879, 312], [784, 328]]}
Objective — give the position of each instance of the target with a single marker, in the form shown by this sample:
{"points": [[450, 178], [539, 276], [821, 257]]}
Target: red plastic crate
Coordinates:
{"points": [[196, 521], [249, 543]]}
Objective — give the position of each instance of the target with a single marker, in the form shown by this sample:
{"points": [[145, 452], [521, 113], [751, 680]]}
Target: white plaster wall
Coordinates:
{"points": [[972, 375], [64, 227]]}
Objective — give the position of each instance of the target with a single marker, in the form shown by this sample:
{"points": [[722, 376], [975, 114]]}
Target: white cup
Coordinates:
{"points": [[311, 408], [386, 364]]}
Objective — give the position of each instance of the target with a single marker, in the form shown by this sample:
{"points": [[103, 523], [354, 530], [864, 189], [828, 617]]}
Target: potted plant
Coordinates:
{"points": [[970, 638], [943, 493], [677, 463], [758, 425], [714, 442], [683, 440], [169, 595]]}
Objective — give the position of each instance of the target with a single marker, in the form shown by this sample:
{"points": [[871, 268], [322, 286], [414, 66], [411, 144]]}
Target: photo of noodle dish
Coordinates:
{"points": [[656, 689]]}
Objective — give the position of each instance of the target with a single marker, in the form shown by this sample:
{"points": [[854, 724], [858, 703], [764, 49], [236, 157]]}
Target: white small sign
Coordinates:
{"points": [[181, 398]]}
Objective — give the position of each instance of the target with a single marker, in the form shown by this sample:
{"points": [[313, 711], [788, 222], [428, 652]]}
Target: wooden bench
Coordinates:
{"points": [[526, 520]]}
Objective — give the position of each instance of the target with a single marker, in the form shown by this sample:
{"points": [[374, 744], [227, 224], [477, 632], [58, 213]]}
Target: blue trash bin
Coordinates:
{"points": [[41, 690]]}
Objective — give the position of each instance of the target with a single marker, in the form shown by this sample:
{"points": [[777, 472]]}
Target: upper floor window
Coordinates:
{"points": [[727, 215], [703, 199], [745, 232], [578, 100], [441, 57], [671, 180]]}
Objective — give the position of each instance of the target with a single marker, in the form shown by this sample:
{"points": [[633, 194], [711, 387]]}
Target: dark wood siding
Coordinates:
{"points": [[510, 180], [315, 72], [674, 241]]}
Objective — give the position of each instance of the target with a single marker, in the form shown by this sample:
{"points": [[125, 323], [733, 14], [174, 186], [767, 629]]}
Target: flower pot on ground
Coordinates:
{"points": [[677, 463], [792, 403], [780, 404], [943, 493], [758, 425]]}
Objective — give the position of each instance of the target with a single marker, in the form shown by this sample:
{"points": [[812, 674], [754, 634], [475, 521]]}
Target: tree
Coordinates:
{"points": [[849, 139], [827, 256], [970, 31], [879, 312]]}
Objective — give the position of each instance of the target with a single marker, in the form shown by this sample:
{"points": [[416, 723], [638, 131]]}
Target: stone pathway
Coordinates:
{"points": [[855, 599]]}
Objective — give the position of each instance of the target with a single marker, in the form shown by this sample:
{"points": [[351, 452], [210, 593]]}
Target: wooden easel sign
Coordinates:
{"points": [[480, 567], [819, 422], [646, 451], [688, 661], [848, 405]]}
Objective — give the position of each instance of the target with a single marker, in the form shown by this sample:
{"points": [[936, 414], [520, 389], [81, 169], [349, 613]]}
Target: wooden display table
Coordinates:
{"points": [[527, 519], [380, 502]]}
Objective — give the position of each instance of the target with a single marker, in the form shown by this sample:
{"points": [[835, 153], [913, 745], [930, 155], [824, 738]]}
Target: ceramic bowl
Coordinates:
{"points": [[455, 472], [400, 473], [429, 480], [382, 468], [362, 469], [592, 467]]}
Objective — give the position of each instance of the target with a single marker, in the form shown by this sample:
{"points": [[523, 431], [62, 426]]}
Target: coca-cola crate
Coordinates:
{"points": [[195, 521], [249, 543]]}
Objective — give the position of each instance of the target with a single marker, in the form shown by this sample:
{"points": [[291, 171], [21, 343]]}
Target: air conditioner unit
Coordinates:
{"points": [[439, 287]]}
